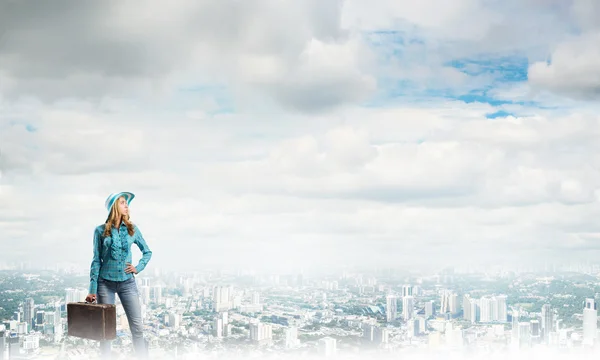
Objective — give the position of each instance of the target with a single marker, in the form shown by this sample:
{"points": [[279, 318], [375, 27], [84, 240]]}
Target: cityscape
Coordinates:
{"points": [[353, 312]]}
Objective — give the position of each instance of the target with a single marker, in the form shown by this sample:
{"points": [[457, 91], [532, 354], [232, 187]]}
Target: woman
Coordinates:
{"points": [[111, 270]]}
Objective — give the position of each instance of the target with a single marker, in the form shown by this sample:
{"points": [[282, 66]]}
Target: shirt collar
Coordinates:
{"points": [[122, 224]]}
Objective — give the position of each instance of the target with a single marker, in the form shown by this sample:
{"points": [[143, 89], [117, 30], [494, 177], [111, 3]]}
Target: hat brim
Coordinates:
{"points": [[113, 197]]}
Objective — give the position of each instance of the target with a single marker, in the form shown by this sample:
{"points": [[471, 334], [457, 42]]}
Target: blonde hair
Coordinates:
{"points": [[113, 220]]}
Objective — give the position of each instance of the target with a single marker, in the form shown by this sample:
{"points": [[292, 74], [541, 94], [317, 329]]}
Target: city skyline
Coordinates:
{"points": [[309, 133], [220, 314]]}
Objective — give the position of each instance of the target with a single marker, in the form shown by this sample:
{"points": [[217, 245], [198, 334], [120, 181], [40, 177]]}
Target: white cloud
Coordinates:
{"points": [[255, 181], [355, 187], [574, 69], [570, 68], [325, 75], [116, 48]]}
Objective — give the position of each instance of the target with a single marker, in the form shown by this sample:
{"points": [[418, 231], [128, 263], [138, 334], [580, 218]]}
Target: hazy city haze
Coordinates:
{"points": [[286, 134]]}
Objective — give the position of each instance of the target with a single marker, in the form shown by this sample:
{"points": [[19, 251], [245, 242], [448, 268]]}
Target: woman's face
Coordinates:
{"points": [[122, 207]]}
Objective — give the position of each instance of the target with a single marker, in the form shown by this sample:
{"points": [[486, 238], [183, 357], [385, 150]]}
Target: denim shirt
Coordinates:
{"points": [[111, 254]]}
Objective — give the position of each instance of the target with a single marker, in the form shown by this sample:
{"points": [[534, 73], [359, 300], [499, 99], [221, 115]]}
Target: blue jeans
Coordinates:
{"points": [[129, 296]]}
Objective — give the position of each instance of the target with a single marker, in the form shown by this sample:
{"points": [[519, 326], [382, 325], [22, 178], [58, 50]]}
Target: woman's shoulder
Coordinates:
{"points": [[100, 228]]}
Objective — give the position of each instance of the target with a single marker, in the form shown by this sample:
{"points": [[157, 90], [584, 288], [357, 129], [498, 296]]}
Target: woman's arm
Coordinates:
{"points": [[95, 267], [146, 252]]}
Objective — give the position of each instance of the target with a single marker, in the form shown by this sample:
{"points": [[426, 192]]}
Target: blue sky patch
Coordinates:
{"points": [[484, 72], [499, 114], [500, 69], [475, 97]]}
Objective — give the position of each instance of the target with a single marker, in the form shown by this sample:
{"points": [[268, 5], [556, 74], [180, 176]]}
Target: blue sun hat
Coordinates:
{"points": [[110, 200]]}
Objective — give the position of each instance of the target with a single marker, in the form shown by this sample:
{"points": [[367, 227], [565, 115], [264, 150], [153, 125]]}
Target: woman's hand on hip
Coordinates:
{"points": [[130, 269]]}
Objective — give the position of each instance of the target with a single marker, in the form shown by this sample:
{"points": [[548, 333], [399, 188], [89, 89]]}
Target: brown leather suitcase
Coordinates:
{"points": [[92, 321]]}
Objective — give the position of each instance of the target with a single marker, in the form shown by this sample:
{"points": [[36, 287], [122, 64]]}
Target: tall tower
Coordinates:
{"points": [[448, 302], [547, 322], [453, 303], [408, 307], [486, 309], [429, 309], [502, 310], [391, 308], [28, 313], [590, 324], [444, 302]]}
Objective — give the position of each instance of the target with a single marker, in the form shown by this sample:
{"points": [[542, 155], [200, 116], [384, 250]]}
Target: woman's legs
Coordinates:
{"points": [[128, 293], [106, 295]]}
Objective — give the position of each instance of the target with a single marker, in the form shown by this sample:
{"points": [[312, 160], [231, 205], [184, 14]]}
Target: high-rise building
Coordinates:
{"points": [[75, 295], [391, 308], [58, 323], [407, 290], [222, 296], [486, 311], [590, 321], [39, 318], [469, 308], [491, 309], [28, 313], [422, 324], [408, 307], [261, 333], [547, 322], [429, 309], [218, 327], [453, 302], [502, 314], [50, 319], [157, 294], [145, 294], [448, 302]]}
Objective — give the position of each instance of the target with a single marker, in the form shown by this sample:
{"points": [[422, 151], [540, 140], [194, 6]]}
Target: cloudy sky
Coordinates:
{"points": [[281, 133]]}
